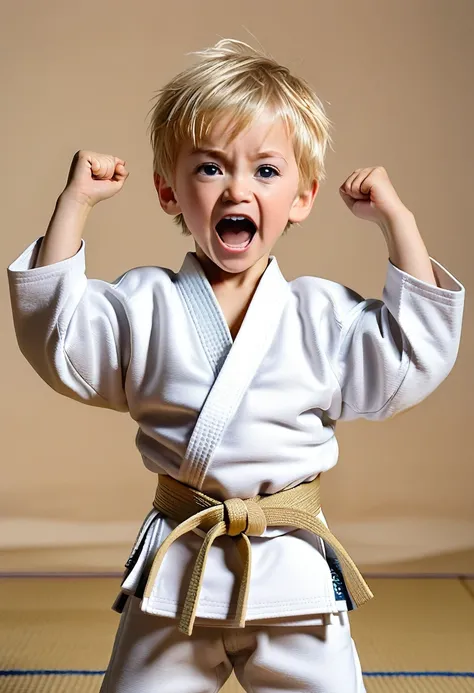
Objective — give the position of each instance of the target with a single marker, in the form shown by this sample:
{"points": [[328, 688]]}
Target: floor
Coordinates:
{"points": [[416, 636]]}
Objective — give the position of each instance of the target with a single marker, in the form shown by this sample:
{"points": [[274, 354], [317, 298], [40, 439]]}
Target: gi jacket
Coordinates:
{"points": [[235, 418]]}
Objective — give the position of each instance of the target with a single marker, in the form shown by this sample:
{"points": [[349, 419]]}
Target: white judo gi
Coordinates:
{"points": [[235, 418]]}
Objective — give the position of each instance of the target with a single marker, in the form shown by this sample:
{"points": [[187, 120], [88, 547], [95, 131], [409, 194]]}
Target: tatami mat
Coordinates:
{"points": [[91, 684], [413, 628]]}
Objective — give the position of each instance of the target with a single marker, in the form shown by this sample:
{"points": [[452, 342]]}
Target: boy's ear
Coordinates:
{"points": [[303, 203], [166, 196]]}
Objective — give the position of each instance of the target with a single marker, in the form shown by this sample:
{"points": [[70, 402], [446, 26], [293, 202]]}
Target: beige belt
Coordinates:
{"points": [[295, 507]]}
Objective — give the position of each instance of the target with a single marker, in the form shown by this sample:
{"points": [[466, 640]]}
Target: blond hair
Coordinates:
{"points": [[232, 76]]}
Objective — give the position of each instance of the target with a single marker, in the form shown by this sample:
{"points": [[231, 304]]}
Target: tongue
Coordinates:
{"points": [[235, 238]]}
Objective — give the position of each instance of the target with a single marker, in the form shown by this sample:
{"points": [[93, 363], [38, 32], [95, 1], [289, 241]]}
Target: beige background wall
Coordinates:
{"points": [[397, 81]]}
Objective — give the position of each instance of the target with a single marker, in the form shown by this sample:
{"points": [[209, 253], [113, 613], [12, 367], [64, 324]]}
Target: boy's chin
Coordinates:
{"points": [[239, 265]]}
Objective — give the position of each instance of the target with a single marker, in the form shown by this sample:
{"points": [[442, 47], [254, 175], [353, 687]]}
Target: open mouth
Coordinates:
{"points": [[236, 231]]}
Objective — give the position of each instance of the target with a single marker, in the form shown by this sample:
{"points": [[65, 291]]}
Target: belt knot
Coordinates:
{"points": [[244, 517]]}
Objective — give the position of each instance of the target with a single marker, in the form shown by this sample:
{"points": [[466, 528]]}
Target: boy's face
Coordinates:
{"points": [[237, 197]]}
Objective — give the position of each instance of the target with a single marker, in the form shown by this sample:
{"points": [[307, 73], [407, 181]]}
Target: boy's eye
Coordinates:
{"points": [[267, 172], [208, 169]]}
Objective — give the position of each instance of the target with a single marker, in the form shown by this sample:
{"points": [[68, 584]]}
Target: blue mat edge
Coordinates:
{"points": [[387, 674]]}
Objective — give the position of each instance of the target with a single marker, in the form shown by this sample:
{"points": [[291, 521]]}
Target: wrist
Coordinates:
{"points": [[75, 200], [405, 246], [398, 222], [400, 228]]}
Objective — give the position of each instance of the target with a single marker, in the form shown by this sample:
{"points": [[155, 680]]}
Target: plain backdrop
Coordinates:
{"points": [[396, 79]]}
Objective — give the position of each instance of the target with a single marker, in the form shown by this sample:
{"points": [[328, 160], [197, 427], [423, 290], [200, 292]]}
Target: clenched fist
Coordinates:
{"points": [[95, 177], [370, 195]]}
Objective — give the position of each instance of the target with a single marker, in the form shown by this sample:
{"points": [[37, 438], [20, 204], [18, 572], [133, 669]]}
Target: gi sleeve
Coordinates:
{"points": [[395, 352], [74, 331]]}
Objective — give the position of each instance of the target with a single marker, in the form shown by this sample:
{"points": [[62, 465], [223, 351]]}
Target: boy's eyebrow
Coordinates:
{"points": [[210, 151], [270, 155]]}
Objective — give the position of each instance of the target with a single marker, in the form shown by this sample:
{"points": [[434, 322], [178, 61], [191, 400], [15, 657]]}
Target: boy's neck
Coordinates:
{"points": [[218, 277], [233, 292]]}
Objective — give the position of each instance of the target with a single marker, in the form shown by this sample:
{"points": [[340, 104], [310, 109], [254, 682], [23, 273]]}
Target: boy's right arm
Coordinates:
{"points": [[92, 178], [65, 231], [74, 331]]}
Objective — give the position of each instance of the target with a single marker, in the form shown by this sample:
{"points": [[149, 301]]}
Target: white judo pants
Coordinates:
{"points": [[150, 655]]}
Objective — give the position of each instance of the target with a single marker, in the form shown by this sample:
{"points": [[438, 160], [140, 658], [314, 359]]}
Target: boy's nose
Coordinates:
{"points": [[236, 191]]}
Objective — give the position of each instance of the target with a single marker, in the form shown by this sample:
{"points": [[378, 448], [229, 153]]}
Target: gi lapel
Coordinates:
{"points": [[205, 312], [234, 362]]}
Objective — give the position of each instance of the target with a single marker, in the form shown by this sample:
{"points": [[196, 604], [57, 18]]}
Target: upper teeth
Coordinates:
{"points": [[234, 218]]}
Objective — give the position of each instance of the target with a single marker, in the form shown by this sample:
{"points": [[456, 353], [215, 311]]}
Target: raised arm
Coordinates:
{"points": [[73, 331], [394, 353]]}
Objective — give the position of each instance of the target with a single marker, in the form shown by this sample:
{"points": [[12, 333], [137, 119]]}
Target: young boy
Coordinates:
{"points": [[236, 378]]}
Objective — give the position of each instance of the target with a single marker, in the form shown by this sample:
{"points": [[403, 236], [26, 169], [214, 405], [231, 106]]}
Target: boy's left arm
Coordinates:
{"points": [[393, 354], [370, 195]]}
